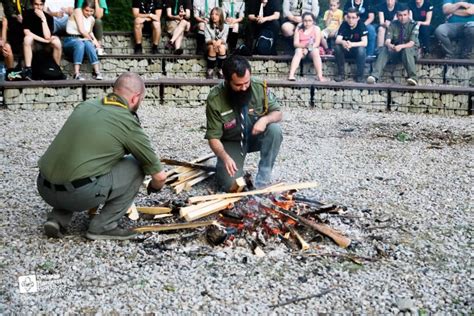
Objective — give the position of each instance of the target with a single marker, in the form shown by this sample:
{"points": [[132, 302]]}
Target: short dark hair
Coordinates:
{"points": [[235, 64], [402, 7], [33, 2], [353, 10]]}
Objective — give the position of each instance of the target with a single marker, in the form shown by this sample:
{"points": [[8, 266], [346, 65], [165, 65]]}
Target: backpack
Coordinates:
{"points": [[264, 43], [45, 68]]}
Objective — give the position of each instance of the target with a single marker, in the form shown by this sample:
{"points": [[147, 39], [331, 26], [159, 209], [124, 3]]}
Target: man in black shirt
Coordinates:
{"points": [[264, 18], [367, 16], [38, 29], [178, 16], [422, 12], [351, 41], [147, 13]]}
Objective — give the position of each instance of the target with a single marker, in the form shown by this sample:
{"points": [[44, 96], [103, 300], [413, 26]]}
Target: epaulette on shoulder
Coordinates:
{"points": [[215, 91]]}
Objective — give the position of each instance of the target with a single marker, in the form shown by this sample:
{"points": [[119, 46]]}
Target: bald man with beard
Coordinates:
{"points": [[99, 157], [243, 116]]}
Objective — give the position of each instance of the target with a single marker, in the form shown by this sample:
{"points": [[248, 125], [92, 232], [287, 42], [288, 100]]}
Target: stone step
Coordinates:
{"points": [[430, 71], [443, 100]]}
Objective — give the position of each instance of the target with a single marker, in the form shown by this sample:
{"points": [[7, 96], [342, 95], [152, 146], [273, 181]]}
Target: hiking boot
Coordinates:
{"points": [[154, 49], [339, 78], [78, 76], [138, 50], [371, 79], [52, 229], [210, 74], [97, 76], [178, 51], [113, 234], [412, 82], [28, 74], [220, 74]]}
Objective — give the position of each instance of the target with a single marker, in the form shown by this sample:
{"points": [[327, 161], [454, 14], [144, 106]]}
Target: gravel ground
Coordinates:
{"points": [[406, 181]]}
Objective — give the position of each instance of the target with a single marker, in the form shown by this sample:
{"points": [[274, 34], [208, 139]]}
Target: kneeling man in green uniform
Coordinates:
{"points": [[99, 157], [242, 116]]}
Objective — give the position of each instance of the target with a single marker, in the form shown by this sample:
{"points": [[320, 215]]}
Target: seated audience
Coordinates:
{"points": [[387, 13], [401, 42], [178, 15], [234, 12], [459, 25], [351, 41], [147, 14], [76, 46], [100, 9], [38, 29], [292, 16], [215, 33], [421, 13], [264, 26], [306, 40], [60, 10], [367, 16], [201, 12], [8, 54], [333, 19]]}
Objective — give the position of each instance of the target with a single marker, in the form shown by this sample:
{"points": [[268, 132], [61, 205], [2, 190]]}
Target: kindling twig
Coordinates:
{"points": [[299, 299]]}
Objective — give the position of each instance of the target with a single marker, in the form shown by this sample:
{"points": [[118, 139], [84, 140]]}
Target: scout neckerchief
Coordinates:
{"points": [[176, 3], [18, 6], [232, 9], [114, 100], [206, 8], [361, 6]]}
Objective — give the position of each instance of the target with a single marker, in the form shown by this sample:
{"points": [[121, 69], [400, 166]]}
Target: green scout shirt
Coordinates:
{"points": [[410, 32], [222, 122], [94, 138]]}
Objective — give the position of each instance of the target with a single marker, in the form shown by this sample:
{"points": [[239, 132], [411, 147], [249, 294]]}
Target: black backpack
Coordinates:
{"points": [[45, 68], [264, 43]]}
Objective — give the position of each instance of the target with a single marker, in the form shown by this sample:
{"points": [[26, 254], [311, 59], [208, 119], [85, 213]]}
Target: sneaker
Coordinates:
{"points": [[138, 50], [371, 79], [97, 76], [28, 74], [210, 74], [52, 229], [412, 82], [14, 75], [101, 51], [154, 49], [220, 74], [339, 78], [113, 234], [78, 76]]}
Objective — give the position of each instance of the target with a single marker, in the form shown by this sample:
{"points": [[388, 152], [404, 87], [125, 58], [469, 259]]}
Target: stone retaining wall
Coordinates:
{"points": [[123, 44], [430, 102]]}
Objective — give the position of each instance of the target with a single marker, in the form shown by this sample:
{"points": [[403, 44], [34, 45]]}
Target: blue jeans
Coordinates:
{"points": [[371, 39], [358, 53], [75, 47]]}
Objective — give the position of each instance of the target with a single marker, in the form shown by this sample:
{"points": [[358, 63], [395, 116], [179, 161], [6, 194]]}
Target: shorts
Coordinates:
{"points": [[172, 25]]}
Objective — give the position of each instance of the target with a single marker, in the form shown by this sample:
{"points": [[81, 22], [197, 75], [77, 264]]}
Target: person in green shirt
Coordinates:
{"points": [[99, 157], [242, 116]]}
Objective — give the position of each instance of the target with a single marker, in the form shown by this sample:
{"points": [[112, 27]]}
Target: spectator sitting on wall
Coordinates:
{"points": [[60, 10], [401, 41], [422, 12], [178, 15], [333, 19], [234, 13], [38, 28], [216, 40], [292, 16], [77, 46], [460, 25], [202, 12], [387, 13], [147, 14], [264, 24], [367, 16], [100, 9], [351, 41]]}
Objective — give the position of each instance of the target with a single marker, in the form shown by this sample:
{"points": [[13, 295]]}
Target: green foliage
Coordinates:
{"points": [[402, 137], [120, 16]]}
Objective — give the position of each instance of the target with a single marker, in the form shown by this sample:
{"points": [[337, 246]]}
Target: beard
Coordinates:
{"points": [[238, 98]]}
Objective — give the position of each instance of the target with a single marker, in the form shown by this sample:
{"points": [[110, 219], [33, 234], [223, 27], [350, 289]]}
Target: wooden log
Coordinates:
{"points": [[185, 169], [271, 189], [187, 164], [194, 181], [209, 209], [190, 175], [238, 185], [133, 212], [185, 210], [154, 210], [304, 245], [167, 227]]}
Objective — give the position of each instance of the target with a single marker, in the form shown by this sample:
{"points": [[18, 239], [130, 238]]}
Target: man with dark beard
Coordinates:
{"points": [[242, 116], [99, 157]]}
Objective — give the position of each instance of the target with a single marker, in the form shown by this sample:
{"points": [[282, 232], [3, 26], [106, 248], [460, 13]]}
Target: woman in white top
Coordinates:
{"points": [[215, 34], [76, 45]]}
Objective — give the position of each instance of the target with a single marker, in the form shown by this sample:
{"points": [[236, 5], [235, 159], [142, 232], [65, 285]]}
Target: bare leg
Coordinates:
{"points": [[295, 62], [57, 50], [318, 64]]}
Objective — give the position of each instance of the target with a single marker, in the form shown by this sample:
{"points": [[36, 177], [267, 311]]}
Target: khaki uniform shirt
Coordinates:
{"points": [[94, 138], [410, 33], [222, 120]]}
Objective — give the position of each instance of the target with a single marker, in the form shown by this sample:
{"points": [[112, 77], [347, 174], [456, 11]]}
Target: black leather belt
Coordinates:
{"points": [[64, 187]]}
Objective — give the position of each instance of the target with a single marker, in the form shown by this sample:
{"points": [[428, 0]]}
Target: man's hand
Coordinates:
{"points": [[40, 14], [150, 189], [260, 126], [230, 166], [261, 19], [397, 48], [156, 183]]}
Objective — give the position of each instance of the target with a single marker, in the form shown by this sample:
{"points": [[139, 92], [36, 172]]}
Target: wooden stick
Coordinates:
{"points": [[238, 185], [187, 164], [185, 210], [185, 169], [166, 227], [190, 175], [271, 189], [192, 182], [210, 209], [154, 210], [304, 245]]}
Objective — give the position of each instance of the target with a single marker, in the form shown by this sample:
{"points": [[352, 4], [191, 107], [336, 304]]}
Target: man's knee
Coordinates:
{"points": [[441, 31], [56, 42], [28, 41], [274, 130]]}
